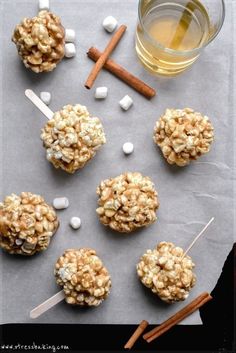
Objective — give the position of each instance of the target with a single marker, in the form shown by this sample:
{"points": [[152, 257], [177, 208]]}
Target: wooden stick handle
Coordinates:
{"points": [[103, 58], [124, 75], [48, 304], [39, 103], [137, 333], [197, 237], [176, 318]]}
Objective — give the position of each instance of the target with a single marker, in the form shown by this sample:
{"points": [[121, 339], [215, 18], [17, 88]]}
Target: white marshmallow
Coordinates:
{"points": [[19, 242], [60, 203], [46, 97], [101, 92], [44, 5], [70, 50], [128, 148], [58, 155], [70, 35], [109, 23], [126, 102], [75, 222]]}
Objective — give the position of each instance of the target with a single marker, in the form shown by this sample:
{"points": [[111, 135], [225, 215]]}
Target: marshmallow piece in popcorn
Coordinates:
{"points": [[72, 137], [183, 135], [84, 278], [127, 202], [27, 224], [40, 41], [165, 272]]}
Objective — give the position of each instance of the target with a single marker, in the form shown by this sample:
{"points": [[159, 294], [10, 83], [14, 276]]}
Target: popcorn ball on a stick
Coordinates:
{"points": [[127, 202], [84, 278], [165, 273], [27, 224], [40, 41], [71, 136], [168, 271], [183, 135]]}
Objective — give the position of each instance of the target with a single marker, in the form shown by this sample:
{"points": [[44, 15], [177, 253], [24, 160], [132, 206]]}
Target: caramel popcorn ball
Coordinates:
{"points": [[183, 135], [72, 138], [85, 280], [27, 224], [40, 41], [127, 202], [163, 271]]}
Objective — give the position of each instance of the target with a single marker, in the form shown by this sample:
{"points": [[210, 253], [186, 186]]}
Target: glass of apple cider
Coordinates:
{"points": [[171, 34]]}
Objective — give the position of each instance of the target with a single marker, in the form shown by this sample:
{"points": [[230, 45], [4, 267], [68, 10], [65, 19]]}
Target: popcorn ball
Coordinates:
{"points": [[27, 224], [127, 202], [183, 135], [40, 41], [165, 272], [84, 278], [72, 137]]}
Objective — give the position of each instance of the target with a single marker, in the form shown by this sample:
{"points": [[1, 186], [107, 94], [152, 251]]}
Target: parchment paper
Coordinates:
{"points": [[189, 196]]}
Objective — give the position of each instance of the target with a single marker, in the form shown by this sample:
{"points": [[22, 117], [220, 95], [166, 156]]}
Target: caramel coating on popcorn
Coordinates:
{"points": [[84, 278], [163, 271], [127, 202], [183, 135], [27, 224], [72, 138], [40, 41]]}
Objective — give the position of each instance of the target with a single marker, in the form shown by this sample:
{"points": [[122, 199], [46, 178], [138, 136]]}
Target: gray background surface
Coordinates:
{"points": [[189, 197]]}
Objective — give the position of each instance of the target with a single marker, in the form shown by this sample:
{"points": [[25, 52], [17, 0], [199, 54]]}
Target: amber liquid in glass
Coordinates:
{"points": [[169, 33]]}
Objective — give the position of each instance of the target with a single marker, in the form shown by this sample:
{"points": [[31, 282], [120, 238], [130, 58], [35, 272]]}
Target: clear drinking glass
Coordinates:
{"points": [[171, 34]]}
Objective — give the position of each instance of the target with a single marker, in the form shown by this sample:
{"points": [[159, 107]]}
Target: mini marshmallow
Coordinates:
{"points": [[60, 203], [58, 155], [75, 222], [109, 23], [70, 50], [126, 102], [128, 148], [19, 242], [101, 92], [70, 35], [46, 97], [44, 5]]}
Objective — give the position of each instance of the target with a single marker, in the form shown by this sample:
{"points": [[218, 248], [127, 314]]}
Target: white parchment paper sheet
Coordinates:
{"points": [[189, 196]]}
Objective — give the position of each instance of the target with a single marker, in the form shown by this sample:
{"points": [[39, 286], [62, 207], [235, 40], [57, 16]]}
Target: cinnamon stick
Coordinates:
{"points": [[124, 75], [137, 333], [176, 318], [101, 61]]}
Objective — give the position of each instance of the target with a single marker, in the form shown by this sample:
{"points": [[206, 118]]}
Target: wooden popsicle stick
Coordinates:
{"points": [[197, 237], [39, 103], [48, 304]]}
